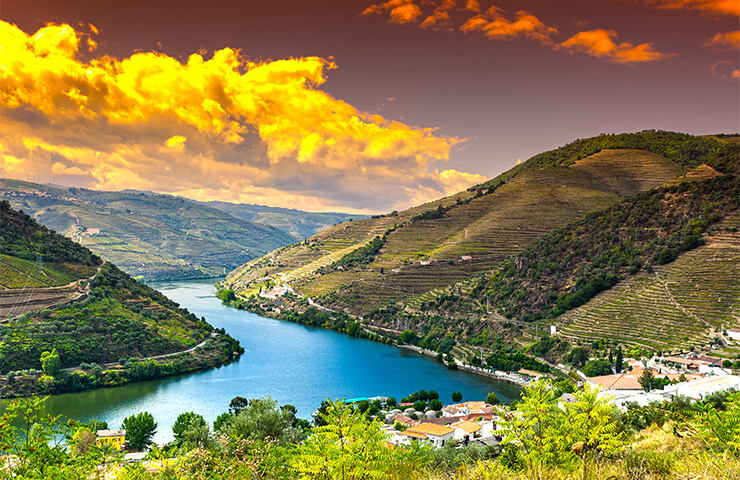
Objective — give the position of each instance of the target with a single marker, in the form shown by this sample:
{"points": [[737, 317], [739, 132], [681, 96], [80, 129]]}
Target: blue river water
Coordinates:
{"points": [[291, 363]]}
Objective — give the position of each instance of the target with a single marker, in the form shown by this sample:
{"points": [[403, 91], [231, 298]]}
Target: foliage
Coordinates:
{"points": [[597, 368], [50, 363], [263, 420], [349, 447], [566, 268], [362, 256], [721, 428], [683, 149], [549, 436], [191, 429], [492, 398], [140, 429], [457, 396]]}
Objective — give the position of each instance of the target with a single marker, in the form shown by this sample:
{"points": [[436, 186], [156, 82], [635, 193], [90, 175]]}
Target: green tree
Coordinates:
{"points": [[619, 360], [596, 368], [492, 398], [191, 429], [646, 380], [457, 396], [350, 447], [50, 363], [261, 420], [140, 429]]}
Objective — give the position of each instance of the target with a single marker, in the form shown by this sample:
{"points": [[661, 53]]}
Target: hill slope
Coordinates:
{"points": [[297, 223], [155, 236], [102, 321], [454, 238]]}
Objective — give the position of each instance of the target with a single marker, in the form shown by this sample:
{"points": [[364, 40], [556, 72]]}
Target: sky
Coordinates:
{"points": [[357, 106]]}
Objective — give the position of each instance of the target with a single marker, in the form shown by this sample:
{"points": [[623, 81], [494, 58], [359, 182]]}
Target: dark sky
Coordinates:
{"points": [[463, 90]]}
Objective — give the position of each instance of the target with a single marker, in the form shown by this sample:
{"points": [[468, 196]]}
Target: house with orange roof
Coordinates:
{"points": [[466, 431], [435, 435]]}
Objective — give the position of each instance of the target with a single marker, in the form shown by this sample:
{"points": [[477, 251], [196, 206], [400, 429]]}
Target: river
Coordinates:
{"points": [[292, 363]]}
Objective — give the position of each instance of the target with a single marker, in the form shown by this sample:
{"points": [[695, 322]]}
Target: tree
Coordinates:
{"points": [[619, 360], [191, 429], [457, 396], [598, 367], [140, 429], [334, 449], [237, 404], [50, 363], [492, 399], [646, 380], [261, 420], [433, 395], [436, 404]]}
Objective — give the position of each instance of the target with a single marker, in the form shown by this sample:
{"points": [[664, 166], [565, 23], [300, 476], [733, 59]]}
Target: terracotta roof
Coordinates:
{"points": [[411, 433], [443, 420], [531, 373], [404, 419], [469, 427], [630, 380], [431, 429], [450, 409]]}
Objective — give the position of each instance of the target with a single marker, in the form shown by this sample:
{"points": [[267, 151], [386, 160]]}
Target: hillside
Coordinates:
{"points": [[297, 223], [59, 297], [455, 238], [154, 236]]}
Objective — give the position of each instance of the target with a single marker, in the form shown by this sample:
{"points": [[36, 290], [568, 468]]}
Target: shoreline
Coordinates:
{"points": [[469, 369]]}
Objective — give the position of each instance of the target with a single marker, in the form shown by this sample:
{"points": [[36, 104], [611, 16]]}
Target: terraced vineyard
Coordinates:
{"points": [[475, 235], [447, 241], [677, 306]]}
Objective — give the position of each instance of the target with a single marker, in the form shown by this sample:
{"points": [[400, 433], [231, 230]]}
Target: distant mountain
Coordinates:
{"points": [[516, 253], [60, 298], [295, 222], [154, 236]]}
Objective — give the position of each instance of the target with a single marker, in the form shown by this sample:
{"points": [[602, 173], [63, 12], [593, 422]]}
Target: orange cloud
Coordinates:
{"points": [[401, 11], [724, 7], [220, 126], [440, 18], [495, 25], [724, 41], [601, 44]]}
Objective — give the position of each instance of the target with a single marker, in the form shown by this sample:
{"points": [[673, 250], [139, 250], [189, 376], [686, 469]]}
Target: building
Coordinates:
{"points": [[466, 431], [115, 438], [734, 334], [700, 388], [435, 435]]}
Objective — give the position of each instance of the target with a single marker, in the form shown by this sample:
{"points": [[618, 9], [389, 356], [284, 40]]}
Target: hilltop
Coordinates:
{"points": [[297, 223], [59, 299], [509, 257], [157, 237]]}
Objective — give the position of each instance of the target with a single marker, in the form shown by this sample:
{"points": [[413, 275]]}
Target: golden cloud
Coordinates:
{"points": [[724, 41], [222, 125], [601, 44], [494, 24]]}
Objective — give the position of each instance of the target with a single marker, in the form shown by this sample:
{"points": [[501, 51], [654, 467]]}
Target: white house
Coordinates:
{"points": [[434, 434], [734, 334]]}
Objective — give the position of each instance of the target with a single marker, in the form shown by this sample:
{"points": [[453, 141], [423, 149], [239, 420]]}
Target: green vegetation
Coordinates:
{"points": [[566, 268], [585, 439], [103, 332], [360, 257], [683, 149], [145, 234], [140, 429]]}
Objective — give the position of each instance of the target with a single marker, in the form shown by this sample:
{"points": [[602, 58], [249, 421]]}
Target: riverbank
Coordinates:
{"points": [[318, 316], [216, 351]]}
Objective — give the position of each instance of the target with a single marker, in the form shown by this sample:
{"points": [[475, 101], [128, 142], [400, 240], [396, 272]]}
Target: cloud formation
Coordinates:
{"points": [[602, 44], [496, 24], [219, 128], [723, 7], [722, 42], [400, 11]]}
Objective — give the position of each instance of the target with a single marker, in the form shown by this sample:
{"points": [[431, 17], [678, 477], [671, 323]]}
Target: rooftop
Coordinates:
{"points": [[430, 429]]}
